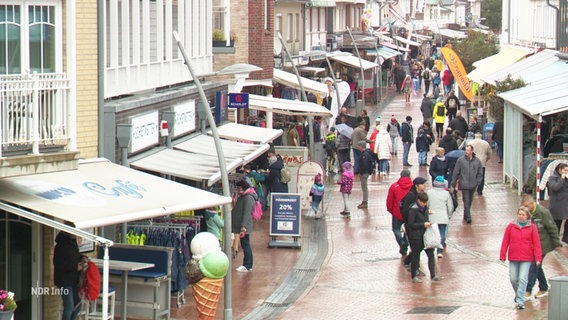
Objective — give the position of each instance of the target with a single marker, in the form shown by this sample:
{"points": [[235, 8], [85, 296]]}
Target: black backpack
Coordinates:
{"points": [[441, 110], [367, 162]]}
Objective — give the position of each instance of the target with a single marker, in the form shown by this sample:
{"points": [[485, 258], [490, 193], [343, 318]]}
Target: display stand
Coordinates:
{"points": [[285, 219]]}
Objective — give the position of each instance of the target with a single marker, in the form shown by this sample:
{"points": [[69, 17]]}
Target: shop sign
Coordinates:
{"points": [[144, 131], [185, 118]]}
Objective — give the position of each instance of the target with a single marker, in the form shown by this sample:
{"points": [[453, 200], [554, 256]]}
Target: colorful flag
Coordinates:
{"points": [[457, 69]]}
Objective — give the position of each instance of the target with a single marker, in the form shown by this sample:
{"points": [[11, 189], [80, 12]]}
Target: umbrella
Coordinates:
{"points": [[344, 129], [453, 156]]}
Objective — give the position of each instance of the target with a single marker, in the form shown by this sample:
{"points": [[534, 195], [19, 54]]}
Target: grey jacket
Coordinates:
{"points": [[242, 213], [558, 196], [469, 172]]}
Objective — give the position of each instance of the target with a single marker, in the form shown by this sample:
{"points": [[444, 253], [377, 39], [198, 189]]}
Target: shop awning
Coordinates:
{"points": [[243, 132], [545, 95], [101, 193], [384, 52], [525, 69], [259, 82], [289, 107], [353, 61], [454, 34], [321, 3], [291, 80], [394, 46], [313, 70], [196, 158], [504, 58], [407, 41]]}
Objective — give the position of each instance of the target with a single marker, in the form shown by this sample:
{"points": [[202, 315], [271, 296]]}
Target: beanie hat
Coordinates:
{"points": [[419, 180], [440, 182], [317, 178], [346, 165], [405, 173], [393, 119], [243, 184], [362, 143]]}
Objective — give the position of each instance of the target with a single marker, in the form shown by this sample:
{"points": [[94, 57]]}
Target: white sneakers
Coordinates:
{"points": [[243, 269]]}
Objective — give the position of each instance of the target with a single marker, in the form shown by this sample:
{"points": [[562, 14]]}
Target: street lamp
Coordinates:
{"points": [[303, 95], [224, 177]]}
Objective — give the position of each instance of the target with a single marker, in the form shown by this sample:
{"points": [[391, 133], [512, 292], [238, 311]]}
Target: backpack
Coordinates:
{"points": [[441, 111], [367, 162], [285, 175], [90, 283], [451, 103], [393, 130], [257, 212], [426, 75]]}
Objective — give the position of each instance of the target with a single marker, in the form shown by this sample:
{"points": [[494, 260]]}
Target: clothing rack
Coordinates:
{"points": [[185, 228]]}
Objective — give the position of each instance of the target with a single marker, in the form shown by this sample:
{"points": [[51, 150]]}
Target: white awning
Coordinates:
{"points": [[394, 46], [407, 41], [313, 70], [291, 80], [258, 82], [243, 132], [284, 106], [353, 61], [384, 52], [526, 69], [196, 159], [496, 62], [101, 193], [546, 95], [454, 34]]}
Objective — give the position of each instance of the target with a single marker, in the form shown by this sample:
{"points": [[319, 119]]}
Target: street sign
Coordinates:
{"points": [[238, 100]]}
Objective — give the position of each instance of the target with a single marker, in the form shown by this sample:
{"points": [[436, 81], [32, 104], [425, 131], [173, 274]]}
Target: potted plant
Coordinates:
{"points": [[7, 305], [219, 38]]}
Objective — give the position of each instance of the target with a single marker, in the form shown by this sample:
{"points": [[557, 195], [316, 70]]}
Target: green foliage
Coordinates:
{"points": [[491, 10], [496, 103], [218, 35], [475, 47]]}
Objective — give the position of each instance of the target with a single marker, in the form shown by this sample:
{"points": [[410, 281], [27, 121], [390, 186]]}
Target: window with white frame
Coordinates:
{"points": [[29, 35], [290, 22]]}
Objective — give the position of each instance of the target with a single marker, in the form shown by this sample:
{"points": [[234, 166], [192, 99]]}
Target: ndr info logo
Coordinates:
{"points": [[49, 291]]}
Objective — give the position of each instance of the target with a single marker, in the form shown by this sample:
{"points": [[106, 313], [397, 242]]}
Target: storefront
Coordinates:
{"points": [[98, 193]]}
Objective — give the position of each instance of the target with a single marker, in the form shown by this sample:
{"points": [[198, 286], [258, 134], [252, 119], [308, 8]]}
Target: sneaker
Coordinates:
{"points": [[436, 278], [520, 306], [363, 205], [243, 269], [344, 213], [416, 280], [541, 293], [407, 267], [528, 295], [420, 273], [440, 256]]}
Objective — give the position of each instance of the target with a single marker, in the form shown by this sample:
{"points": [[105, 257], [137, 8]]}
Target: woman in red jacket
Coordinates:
{"points": [[521, 245]]}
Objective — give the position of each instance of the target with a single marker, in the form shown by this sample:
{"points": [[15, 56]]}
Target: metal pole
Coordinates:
{"points": [[224, 179], [303, 95], [361, 65]]}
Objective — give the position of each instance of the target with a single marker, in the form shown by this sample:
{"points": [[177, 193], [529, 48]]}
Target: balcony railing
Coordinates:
{"points": [[34, 112]]}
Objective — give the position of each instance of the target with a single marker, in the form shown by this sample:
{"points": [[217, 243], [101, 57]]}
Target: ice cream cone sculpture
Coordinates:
{"points": [[206, 294]]}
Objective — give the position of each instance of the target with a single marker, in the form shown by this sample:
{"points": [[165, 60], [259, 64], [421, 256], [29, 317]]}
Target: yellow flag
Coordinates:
{"points": [[457, 69]]}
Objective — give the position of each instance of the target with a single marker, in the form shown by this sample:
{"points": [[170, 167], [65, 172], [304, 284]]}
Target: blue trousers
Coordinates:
{"points": [[247, 251], [71, 307]]}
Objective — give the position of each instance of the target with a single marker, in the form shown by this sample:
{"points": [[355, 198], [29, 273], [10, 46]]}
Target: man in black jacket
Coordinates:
{"points": [[418, 186], [407, 140], [365, 168], [67, 269], [427, 108], [459, 123], [448, 141]]}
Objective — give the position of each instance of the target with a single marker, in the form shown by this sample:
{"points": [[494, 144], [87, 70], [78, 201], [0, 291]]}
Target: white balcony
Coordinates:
{"points": [[34, 113]]}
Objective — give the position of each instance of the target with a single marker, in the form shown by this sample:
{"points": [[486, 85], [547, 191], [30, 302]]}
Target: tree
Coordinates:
{"points": [[475, 47], [491, 10], [496, 103]]}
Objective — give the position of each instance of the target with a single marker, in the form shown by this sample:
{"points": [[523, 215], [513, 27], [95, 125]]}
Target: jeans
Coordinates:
{"points": [[364, 186], [416, 247], [519, 274], [563, 237], [443, 234], [315, 206], [537, 273], [415, 85], [356, 157], [447, 88], [422, 157], [247, 251], [352, 99], [426, 86], [406, 149], [480, 186], [394, 141], [396, 226], [383, 165], [71, 307], [467, 195], [345, 197]]}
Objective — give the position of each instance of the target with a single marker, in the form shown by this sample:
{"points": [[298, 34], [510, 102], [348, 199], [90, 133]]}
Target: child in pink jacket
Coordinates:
{"points": [[346, 184]]}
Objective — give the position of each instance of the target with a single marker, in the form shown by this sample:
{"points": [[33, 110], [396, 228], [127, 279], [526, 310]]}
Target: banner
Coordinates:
{"points": [[457, 69]]}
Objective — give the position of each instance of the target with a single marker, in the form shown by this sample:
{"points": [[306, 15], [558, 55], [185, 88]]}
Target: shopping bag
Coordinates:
{"points": [[432, 238]]}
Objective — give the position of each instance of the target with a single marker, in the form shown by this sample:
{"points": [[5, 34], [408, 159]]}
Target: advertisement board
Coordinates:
{"points": [[285, 219]]}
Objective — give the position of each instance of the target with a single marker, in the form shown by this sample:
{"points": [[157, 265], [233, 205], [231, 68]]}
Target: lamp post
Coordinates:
{"points": [[224, 178], [303, 95], [362, 70]]}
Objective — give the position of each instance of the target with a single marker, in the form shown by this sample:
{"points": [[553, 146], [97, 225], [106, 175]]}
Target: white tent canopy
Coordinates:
{"points": [[243, 132], [291, 80], [354, 62], [504, 58], [284, 106]]}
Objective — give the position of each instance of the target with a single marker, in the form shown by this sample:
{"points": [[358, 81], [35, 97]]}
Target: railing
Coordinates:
{"points": [[34, 109]]}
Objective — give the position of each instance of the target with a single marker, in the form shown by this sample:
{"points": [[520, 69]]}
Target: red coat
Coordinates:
{"points": [[373, 137], [397, 191], [446, 77], [521, 243]]}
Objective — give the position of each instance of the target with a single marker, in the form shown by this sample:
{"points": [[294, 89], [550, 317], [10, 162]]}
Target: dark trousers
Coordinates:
{"points": [[416, 247], [426, 85], [440, 130], [247, 251], [536, 273], [480, 186], [452, 114], [342, 156], [564, 235], [467, 196]]}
